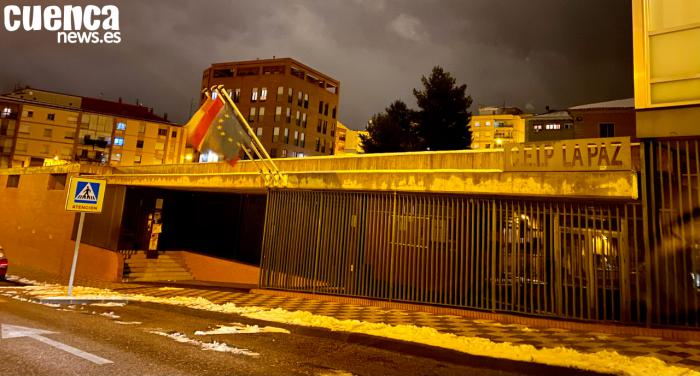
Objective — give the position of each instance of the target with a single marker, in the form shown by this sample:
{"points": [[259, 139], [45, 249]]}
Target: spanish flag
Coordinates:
{"points": [[215, 127]]}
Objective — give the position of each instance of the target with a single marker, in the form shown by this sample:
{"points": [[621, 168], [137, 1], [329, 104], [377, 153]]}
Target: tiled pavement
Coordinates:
{"points": [[682, 353]]}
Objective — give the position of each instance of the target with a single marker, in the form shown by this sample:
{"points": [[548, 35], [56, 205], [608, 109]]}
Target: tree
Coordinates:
{"points": [[392, 131], [443, 118]]}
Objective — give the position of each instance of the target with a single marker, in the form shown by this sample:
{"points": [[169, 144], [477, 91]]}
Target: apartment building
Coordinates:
{"points": [[39, 127], [497, 126], [347, 141], [292, 107]]}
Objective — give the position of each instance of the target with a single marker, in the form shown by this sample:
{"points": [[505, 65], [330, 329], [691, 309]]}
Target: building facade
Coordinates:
{"points": [[496, 126], [665, 36], [40, 127], [347, 141], [605, 119], [292, 108], [550, 126]]}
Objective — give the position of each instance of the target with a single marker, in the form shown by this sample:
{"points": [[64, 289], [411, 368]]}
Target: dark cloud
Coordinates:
{"points": [[525, 53]]}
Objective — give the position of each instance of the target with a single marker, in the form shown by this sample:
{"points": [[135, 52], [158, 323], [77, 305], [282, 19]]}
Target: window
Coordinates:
{"points": [[300, 95], [57, 182], [6, 112], [236, 95], [319, 125], [51, 117], [226, 72], [117, 156], [69, 135], [142, 128], [320, 107], [263, 94], [30, 114], [325, 126], [296, 138], [173, 134], [477, 124], [254, 95], [306, 100], [48, 132], [323, 146], [536, 127], [44, 149], [259, 132], [288, 116], [325, 109], [139, 144], [318, 144], [162, 132], [275, 134], [286, 135], [607, 129], [302, 142], [278, 113], [284, 153], [261, 114], [280, 93], [251, 115], [303, 120], [298, 119], [160, 146], [12, 181], [552, 126], [290, 95], [137, 159], [333, 116], [119, 141], [121, 126], [23, 128], [21, 146]]}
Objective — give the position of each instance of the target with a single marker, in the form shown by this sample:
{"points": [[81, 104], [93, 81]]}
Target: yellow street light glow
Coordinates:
{"points": [[188, 157]]}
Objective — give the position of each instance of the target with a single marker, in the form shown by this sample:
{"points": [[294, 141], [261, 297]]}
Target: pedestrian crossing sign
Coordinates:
{"points": [[85, 195]]}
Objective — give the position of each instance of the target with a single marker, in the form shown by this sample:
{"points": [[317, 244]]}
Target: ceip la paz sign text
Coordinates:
{"points": [[86, 195], [592, 154]]}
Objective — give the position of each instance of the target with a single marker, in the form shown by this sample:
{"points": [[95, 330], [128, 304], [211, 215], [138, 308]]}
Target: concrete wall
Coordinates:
{"points": [[205, 268], [35, 230]]}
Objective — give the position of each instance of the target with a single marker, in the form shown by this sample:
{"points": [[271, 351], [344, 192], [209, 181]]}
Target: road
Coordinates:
{"points": [[132, 337]]}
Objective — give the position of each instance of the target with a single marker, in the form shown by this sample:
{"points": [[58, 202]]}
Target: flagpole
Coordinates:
{"points": [[257, 142], [252, 146]]}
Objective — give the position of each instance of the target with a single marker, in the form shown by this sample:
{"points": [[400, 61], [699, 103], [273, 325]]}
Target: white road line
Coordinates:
{"points": [[14, 331]]}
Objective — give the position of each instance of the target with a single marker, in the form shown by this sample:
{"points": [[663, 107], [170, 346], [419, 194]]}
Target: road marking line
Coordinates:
{"points": [[14, 331]]}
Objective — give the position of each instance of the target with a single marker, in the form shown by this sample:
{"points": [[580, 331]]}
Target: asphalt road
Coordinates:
{"points": [[135, 350]]}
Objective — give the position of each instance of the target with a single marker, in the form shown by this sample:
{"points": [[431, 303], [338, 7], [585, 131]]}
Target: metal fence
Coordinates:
{"points": [[632, 262], [559, 259]]}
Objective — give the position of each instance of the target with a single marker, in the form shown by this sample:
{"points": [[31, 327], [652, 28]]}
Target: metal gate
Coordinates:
{"points": [[565, 259]]}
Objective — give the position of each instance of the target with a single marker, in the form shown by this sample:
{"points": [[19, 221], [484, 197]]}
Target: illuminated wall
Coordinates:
{"points": [[666, 37]]}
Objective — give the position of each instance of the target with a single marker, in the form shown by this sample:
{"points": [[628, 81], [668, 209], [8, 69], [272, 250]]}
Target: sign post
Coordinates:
{"points": [[84, 196]]}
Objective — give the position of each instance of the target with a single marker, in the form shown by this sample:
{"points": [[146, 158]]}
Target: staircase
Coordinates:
{"points": [[168, 266]]}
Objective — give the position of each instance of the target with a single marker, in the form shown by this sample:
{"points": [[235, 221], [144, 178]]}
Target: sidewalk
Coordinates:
{"points": [[681, 353]]}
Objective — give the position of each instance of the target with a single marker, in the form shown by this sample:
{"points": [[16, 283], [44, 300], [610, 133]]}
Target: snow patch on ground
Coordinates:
{"points": [[603, 361], [334, 373], [170, 288], [237, 328], [110, 314], [25, 281], [109, 304], [207, 346], [128, 322]]}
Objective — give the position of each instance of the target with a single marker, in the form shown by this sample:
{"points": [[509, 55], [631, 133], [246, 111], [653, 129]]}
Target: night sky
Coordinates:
{"points": [[525, 53]]}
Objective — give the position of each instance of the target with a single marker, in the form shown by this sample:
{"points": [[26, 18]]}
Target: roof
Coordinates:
{"points": [[618, 103], [551, 115], [95, 105]]}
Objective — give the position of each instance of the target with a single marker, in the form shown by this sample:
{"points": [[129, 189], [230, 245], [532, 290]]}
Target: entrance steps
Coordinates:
{"points": [[169, 266]]}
